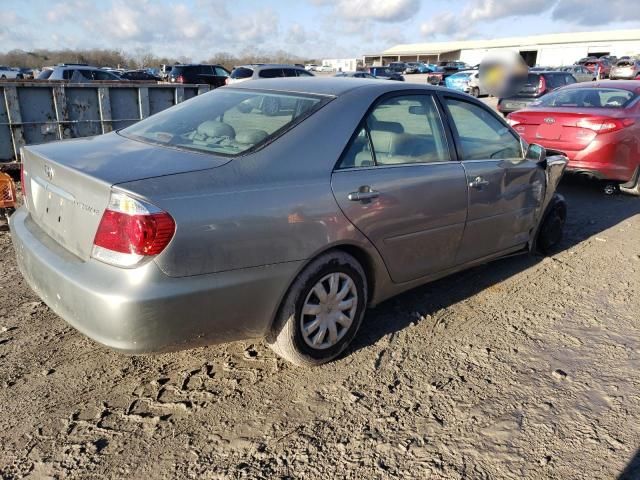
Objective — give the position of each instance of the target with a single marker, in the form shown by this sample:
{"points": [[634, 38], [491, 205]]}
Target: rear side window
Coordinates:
{"points": [[221, 72], [44, 74], [271, 73], [481, 135], [205, 70], [400, 130], [241, 72], [226, 121], [289, 72], [304, 73]]}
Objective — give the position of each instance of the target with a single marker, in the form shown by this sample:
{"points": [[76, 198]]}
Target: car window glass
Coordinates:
{"points": [[221, 72], [289, 72], [241, 72], [98, 75], [304, 73], [205, 70], [407, 129], [270, 73], [481, 135], [359, 153], [224, 121]]}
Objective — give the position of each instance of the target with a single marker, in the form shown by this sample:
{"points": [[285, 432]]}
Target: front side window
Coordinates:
{"points": [[221, 72], [225, 121], [481, 136], [399, 130]]}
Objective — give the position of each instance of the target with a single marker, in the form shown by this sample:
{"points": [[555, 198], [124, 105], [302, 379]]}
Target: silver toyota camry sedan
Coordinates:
{"points": [[279, 209]]}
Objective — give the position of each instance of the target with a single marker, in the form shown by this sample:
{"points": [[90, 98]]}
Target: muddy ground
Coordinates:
{"points": [[523, 368]]}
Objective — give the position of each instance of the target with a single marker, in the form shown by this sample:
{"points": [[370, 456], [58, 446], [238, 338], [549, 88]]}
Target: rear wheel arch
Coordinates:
{"points": [[360, 254]]}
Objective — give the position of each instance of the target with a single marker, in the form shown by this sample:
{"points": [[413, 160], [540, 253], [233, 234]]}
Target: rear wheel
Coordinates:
{"points": [[475, 92], [322, 311]]}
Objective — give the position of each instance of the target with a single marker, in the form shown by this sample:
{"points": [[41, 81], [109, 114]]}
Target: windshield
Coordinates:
{"points": [[587, 98], [225, 121]]}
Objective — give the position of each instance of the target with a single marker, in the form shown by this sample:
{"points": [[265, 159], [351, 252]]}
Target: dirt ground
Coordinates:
{"points": [[524, 368]]}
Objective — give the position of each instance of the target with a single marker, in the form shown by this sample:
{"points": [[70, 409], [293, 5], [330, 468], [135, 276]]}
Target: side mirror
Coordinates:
{"points": [[535, 153]]}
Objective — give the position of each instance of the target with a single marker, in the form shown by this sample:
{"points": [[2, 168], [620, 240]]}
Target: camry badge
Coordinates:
{"points": [[549, 120], [49, 172]]}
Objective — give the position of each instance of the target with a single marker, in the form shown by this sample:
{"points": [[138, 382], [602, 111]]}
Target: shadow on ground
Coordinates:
{"points": [[590, 212], [632, 470]]}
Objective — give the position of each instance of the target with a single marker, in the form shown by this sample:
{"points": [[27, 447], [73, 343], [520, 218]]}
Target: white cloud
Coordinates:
{"points": [[596, 13]]}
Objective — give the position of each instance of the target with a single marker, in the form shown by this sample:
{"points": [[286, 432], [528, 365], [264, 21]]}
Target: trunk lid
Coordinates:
{"points": [[68, 184], [557, 129]]}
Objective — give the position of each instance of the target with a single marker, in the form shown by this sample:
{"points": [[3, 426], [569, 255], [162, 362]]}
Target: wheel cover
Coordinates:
{"points": [[329, 310]]}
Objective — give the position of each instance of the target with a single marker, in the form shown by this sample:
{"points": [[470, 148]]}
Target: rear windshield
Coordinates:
{"points": [[44, 74], [226, 121], [587, 98], [625, 63], [241, 72], [461, 75]]}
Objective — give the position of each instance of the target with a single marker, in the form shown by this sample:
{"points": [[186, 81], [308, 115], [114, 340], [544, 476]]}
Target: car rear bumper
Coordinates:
{"points": [[142, 310]]}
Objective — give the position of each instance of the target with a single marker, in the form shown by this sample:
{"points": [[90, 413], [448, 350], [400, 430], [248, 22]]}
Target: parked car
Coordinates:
{"points": [[467, 81], [311, 67], [597, 125], [326, 68], [355, 75], [139, 75], [580, 73], [538, 84], [625, 70], [598, 66], [26, 73], [9, 72], [214, 75], [443, 70], [77, 73], [398, 67], [165, 70], [385, 73], [207, 223], [266, 70]]}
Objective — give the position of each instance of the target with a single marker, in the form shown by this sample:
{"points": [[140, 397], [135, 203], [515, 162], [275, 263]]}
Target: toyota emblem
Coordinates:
{"points": [[49, 172], [549, 120]]}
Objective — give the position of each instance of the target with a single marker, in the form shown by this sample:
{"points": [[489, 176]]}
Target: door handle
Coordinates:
{"points": [[363, 194], [478, 183]]}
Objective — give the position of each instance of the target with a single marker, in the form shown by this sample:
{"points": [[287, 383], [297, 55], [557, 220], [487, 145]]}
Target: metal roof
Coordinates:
{"points": [[435, 48]]}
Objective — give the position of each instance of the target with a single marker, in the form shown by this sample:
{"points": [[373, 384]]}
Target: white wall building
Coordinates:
{"points": [[545, 50], [342, 64]]}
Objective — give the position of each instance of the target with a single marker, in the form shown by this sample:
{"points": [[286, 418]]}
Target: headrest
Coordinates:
{"points": [[251, 136], [212, 128]]}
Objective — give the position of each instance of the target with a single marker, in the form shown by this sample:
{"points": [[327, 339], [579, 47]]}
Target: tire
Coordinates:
{"points": [[550, 233], [475, 92], [287, 338]]}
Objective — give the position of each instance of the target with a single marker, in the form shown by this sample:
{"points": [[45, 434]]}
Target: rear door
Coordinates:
{"points": [[205, 74], [399, 184], [503, 193]]}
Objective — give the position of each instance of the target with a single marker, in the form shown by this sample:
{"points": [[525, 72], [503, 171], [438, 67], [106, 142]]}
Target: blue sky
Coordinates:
{"points": [[309, 28]]}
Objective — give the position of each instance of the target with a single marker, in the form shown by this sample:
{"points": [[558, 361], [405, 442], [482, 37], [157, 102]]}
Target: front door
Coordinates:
{"points": [[504, 188], [397, 183]]}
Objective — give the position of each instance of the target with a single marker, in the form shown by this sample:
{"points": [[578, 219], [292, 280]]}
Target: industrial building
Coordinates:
{"points": [[547, 50]]}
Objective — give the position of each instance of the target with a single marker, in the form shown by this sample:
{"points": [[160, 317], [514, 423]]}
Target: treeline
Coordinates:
{"points": [[138, 59]]}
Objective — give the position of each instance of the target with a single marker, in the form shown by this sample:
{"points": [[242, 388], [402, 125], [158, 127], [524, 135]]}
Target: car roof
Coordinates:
{"points": [[269, 65], [630, 85], [331, 86]]}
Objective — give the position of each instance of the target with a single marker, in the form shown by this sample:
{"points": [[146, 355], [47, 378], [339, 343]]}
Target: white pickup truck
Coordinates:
{"points": [[8, 72]]}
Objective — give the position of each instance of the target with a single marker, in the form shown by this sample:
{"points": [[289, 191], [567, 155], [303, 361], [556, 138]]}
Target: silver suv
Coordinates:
{"points": [[77, 73], [266, 70]]}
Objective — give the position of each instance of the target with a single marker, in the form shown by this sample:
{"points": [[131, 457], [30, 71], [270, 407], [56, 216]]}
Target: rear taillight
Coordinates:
{"points": [[180, 79], [605, 125], [512, 121], [542, 85], [227, 81], [131, 231]]}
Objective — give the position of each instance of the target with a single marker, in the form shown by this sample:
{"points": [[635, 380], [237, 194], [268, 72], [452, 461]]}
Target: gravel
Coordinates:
{"points": [[523, 368]]}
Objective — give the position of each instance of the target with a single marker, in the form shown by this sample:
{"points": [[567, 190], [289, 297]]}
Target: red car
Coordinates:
{"points": [[596, 124]]}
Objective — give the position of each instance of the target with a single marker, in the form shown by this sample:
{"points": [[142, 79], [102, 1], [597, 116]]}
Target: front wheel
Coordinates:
{"points": [[551, 230], [321, 312]]}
